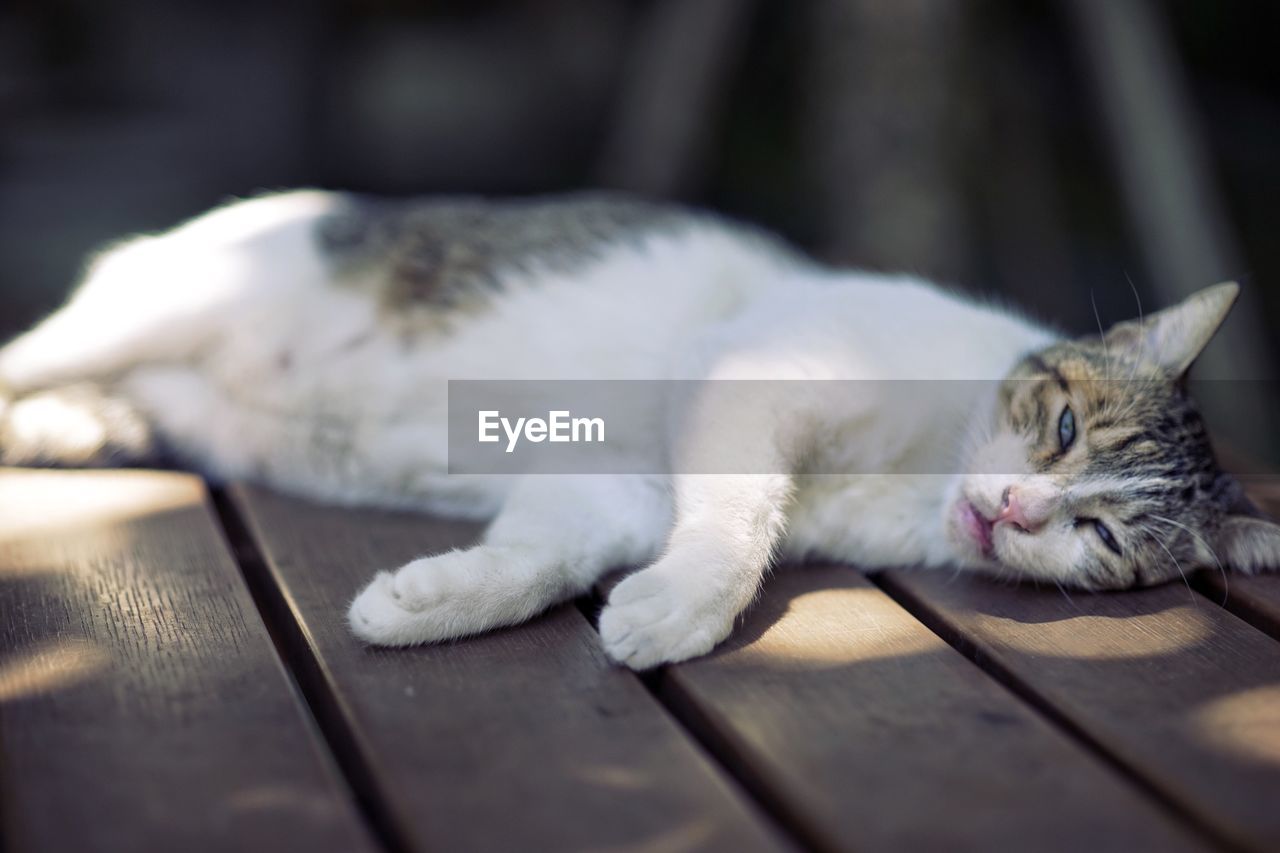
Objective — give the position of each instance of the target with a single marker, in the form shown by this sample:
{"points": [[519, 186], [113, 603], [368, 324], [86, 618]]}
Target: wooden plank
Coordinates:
{"points": [[525, 738], [1254, 599], [142, 706], [1178, 690], [868, 732]]}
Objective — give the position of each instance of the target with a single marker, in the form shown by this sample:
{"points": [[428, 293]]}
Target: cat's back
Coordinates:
{"points": [[299, 276], [453, 252], [437, 256]]}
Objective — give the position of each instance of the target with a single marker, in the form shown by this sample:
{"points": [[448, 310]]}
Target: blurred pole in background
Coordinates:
{"points": [[886, 131], [1174, 205], [674, 82]]}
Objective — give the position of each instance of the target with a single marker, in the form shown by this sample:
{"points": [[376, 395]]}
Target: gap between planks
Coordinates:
{"points": [[718, 796], [1151, 726], [305, 670], [125, 614], [972, 650], [717, 743], [694, 693]]}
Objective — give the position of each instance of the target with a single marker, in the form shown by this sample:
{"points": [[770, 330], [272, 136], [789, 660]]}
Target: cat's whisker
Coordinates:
{"points": [[1185, 580], [1102, 336], [1142, 339], [1062, 589], [1221, 569]]}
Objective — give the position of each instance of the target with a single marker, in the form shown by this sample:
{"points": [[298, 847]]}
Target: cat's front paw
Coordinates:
{"points": [[423, 602], [653, 618], [450, 595], [379, 615]]}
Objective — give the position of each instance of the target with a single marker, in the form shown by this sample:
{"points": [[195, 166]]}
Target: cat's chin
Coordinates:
{"points": [[971, 536]]}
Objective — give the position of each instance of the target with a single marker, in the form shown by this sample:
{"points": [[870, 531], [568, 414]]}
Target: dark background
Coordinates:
{"points": [[1057, 154]]}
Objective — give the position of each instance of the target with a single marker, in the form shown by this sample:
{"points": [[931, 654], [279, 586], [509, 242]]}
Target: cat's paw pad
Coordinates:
{"points": [[648, 623]]}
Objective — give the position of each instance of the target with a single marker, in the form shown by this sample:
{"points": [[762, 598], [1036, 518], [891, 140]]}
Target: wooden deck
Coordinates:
{"points": [[175, 674]]}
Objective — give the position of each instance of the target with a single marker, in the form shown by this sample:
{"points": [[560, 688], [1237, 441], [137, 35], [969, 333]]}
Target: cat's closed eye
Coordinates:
{"points": [[1108, 539], [1103, 533]]}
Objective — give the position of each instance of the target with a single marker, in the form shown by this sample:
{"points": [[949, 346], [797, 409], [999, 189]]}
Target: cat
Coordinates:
{"points": [[305, 340]]}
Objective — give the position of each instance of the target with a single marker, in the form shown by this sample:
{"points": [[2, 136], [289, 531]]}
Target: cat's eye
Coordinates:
{"points": [[1104, 533], [1066, 428]]}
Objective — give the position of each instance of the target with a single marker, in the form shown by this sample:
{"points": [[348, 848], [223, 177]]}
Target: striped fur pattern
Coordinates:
{"points": [[1139, 463], [431, 262]]}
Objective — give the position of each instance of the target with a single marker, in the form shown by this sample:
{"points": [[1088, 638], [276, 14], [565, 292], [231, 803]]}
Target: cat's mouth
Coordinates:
{"points": [[976, 526]]}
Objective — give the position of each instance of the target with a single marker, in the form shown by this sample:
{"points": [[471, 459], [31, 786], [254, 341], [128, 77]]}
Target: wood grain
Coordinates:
{"points": [[869, 733], [1177, 689], [142, 706], [525, 738]]}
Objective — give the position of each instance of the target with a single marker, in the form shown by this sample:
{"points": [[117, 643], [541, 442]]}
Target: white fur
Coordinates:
{"points": [[228, 334]]}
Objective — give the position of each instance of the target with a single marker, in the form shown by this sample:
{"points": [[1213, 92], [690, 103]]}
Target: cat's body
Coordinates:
{"points": [[305, 340]]}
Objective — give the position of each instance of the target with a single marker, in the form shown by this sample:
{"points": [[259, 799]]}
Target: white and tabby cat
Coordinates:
{"points": [[304, 340]]}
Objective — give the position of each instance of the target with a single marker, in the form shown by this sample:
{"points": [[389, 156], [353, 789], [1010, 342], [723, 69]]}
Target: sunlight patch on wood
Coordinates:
{"points": [[840, 626], [48, 668], [1090, 637], [42, 504], [1245, 723]]}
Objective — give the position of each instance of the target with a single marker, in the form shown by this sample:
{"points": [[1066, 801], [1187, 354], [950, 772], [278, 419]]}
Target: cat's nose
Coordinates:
{"points": [[1013, 511]]}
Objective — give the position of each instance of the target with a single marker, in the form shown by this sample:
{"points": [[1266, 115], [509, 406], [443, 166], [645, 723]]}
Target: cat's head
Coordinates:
{"points": [[1098, 472]]}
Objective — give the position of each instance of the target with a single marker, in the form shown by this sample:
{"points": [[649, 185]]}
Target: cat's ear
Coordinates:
{"points": [[1174, 337], [1249, 543]]}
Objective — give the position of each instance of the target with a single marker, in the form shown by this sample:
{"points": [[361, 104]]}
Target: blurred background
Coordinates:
{"points": [[1063, 155]]}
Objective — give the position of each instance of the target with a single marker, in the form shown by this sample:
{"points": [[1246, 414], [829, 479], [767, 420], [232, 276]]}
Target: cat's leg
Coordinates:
{"points": [[684, 604], [69, 387], [114, 320], [58, 402], [84, 425], [727, 525], [553, 538], [167, 299]]}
